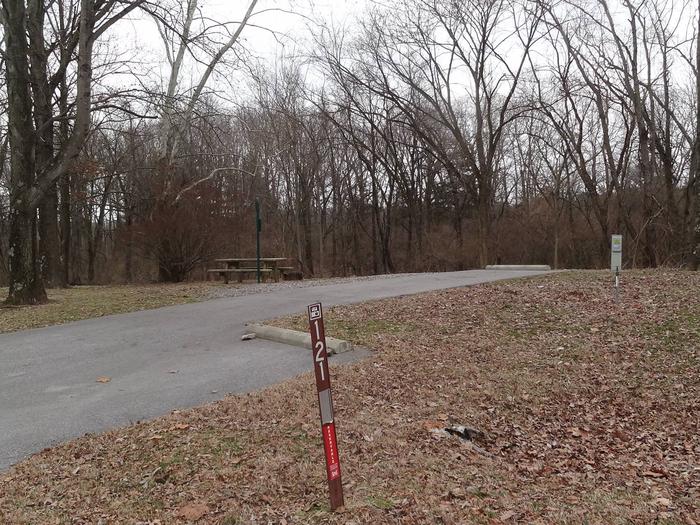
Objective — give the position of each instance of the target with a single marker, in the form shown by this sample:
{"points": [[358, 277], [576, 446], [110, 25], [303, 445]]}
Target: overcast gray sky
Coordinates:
{"points": [[288, 19], [282, 26]]}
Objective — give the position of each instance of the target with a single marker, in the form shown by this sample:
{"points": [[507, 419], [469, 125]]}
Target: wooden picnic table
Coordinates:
{"points": [[236, 262], [243, 265]]}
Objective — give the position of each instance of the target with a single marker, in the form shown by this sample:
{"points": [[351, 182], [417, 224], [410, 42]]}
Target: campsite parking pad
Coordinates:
{"points": [[49, 377]]}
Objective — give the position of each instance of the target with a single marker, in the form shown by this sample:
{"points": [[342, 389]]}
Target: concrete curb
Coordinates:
{"points": [[292, 337], [515, 267]]}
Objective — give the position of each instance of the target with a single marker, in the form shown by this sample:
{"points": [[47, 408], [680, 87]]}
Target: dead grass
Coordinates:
{"points": [[590, 410], [86, 302]]}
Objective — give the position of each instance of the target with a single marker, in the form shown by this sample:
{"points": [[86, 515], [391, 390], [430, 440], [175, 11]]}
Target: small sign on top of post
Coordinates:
{"points": [[325, 403]]}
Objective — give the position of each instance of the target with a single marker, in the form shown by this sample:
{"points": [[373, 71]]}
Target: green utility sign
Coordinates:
{"points": [[616, 253]]}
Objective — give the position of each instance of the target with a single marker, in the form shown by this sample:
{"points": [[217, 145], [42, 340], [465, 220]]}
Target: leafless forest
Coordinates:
{"points": [[427, 135]]}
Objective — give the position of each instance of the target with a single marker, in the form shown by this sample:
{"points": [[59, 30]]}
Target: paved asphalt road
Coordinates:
{"points": [[48, 388]]}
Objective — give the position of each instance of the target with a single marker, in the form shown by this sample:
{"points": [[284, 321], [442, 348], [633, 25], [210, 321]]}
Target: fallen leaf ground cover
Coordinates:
{"points": [[85, 302], [589, 411]]}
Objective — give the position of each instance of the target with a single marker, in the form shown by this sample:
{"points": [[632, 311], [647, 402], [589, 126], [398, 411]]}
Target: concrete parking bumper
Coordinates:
{"points": [[294, 338]]}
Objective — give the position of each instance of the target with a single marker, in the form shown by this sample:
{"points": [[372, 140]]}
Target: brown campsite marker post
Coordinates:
{"points": [[325, 404]]}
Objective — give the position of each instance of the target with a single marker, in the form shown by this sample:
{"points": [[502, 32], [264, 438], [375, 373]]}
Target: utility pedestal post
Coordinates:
{"points": [[616, 262]]}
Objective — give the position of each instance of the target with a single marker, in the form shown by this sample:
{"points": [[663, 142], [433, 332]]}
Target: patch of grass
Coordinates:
{"points": [[218, 445], [381, 502], [316, 511], [682, 331], [301, 444], [176, 459], [87, 302], [351, 331]]}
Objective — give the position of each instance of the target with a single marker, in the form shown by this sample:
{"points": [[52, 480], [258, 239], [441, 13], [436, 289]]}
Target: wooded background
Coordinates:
{"points": [[428, 135]]}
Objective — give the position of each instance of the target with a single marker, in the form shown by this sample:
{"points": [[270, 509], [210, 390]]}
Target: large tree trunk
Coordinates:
{"points": [[44, 145], [26, 286]]}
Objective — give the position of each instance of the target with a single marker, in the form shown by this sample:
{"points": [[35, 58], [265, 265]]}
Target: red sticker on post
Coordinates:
{"points": [[331, 447], [325, 403]]}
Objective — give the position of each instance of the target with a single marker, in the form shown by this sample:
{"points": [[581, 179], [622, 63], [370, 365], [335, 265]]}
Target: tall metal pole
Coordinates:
{"points": [[258, 227]]}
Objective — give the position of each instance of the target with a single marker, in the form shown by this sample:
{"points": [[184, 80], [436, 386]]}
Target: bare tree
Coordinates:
{"points": [[33, 177], [422, 62]]}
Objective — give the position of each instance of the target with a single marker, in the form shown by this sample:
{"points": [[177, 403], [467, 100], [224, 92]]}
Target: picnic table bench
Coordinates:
{"points": [[240, 266]]}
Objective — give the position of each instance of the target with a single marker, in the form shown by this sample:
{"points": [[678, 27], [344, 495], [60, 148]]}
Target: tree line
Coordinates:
{"points": [[428, 135]]}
